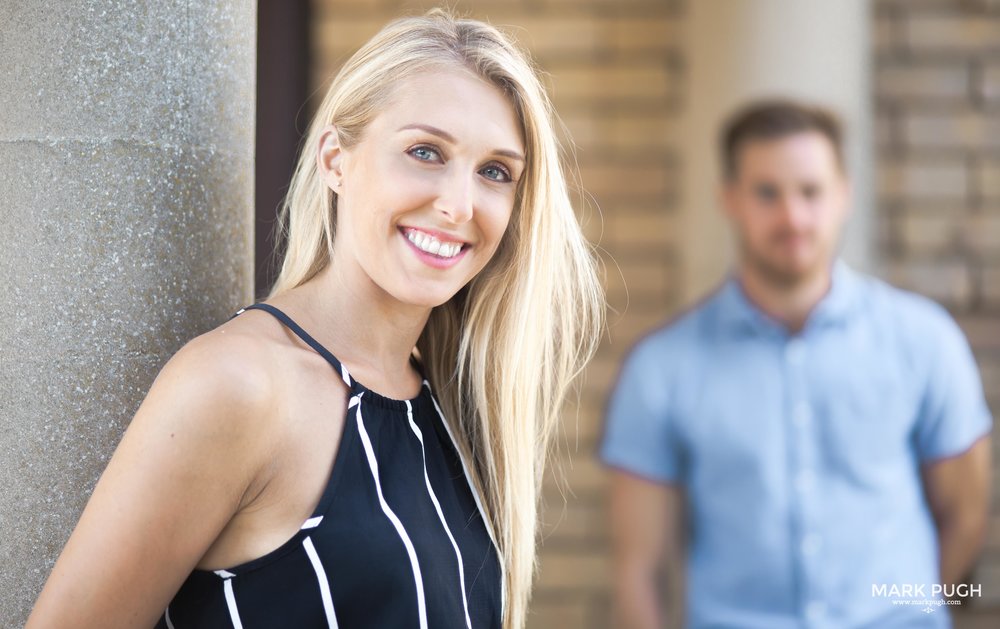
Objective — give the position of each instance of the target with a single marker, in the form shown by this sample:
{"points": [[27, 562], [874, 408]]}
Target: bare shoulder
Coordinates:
{"points": [[229, 375]]}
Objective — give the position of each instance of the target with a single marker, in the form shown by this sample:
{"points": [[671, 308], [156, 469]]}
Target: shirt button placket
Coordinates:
{"points": [[807, 542]]}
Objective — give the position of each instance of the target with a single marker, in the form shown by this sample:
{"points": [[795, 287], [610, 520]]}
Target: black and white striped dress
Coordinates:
{"points": [[398, 538]]}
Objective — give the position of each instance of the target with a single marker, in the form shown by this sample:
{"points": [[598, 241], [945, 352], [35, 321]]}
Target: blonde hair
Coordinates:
{"points": [[502, 353]]}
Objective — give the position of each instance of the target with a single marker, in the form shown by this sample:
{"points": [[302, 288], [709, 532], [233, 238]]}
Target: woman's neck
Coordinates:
{"points": [[370, 331]]}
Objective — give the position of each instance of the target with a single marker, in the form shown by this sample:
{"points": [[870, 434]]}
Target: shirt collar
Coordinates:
{"points": [[740, 314]]}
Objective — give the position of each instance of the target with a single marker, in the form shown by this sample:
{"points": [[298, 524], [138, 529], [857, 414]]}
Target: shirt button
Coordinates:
{"points": [[815, 610], [795, 352], [801, 414], [810, 544]]}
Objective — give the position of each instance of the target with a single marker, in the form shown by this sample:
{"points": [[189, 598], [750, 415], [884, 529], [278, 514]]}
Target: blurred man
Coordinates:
{"points": [[813, 440]]}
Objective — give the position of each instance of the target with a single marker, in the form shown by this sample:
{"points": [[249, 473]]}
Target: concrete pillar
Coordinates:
{"points": [[126, 189], [742, 49]]}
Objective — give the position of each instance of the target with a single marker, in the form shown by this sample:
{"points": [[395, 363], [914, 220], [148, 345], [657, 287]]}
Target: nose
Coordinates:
{"points": [[455, 197], [795, 212]]}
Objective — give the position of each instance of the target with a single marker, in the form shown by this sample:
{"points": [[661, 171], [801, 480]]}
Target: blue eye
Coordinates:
{"points": [[495, 172], [424, 153]]}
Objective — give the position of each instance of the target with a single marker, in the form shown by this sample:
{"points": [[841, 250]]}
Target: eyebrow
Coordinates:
{"points": [[441, 133]]}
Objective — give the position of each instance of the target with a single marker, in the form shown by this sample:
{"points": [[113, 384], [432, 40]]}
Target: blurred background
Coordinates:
{"points": [[130, 172], [642, 86]]}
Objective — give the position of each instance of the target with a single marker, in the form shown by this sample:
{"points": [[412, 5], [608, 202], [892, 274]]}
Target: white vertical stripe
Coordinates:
{"points": [[343, 374], [234, 614], [166, 615], [437, 507], [479, 503], [324, 584], [373, 464]]}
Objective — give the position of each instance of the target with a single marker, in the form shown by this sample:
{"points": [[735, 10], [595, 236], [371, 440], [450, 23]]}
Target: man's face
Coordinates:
{"points": [[787, 201]]}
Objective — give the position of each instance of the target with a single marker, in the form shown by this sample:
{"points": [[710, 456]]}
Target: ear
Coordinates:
{"points": [[329, 159]]}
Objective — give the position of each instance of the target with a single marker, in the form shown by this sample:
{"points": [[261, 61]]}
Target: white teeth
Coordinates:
{"points": [[432, 245]]}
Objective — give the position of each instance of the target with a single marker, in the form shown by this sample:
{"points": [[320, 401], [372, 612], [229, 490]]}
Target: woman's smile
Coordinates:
{"points": [[434, 248]]}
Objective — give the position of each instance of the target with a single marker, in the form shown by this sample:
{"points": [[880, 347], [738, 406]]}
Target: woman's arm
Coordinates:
{"points": [[179, 474]]}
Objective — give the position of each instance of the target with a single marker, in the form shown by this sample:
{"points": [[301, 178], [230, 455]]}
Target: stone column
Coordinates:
{"points": [[126, 189], [741, 49]]}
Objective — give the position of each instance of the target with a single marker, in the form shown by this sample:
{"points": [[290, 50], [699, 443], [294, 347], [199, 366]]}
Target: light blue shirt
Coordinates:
{"points": [[800, 455]]}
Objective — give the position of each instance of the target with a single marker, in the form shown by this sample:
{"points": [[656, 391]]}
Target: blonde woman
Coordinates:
{"points": [[365, 447]]}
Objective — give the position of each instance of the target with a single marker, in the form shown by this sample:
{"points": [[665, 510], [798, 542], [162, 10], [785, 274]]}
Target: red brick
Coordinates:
{"points": [[604, 367], [580, 569], [917, 7], [963, 130], [561, 612], [977, 5], [884, 34], [622, 134], [983, 332], [648, 84], [948, 281], [647, 182], [982, 234], [657, 230], [885, 136], [582, 422], [339, 36], [991, 286], [929, 232], [649, 7], [488, 10], [650, 34], [988, 178], [574, 520], [990, 83], [581, 470], [584, 129], [643, 132], [952, 34], [940, 81], [649, 281], [550, 37], [977, 614], [333, 8], [988, 576], [989, 371], [924, 179]]}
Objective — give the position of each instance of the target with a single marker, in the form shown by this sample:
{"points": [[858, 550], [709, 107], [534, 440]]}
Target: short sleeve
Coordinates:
{"points": [[638, 435], [953, 413]]}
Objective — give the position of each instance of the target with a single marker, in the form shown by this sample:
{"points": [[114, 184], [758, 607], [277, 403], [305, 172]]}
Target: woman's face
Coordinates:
{"points": [[426, 195]]}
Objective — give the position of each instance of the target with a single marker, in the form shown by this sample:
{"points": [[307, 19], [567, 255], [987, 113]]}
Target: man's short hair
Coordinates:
{"points": [[773, 120]]}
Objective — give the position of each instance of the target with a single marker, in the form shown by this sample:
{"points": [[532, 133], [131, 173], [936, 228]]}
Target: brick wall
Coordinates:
{"points": [[937, 92], [616, 72]]}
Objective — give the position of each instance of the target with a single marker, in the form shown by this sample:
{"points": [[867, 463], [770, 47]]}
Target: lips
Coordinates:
{"points": [[435, 248], [434, 243]]}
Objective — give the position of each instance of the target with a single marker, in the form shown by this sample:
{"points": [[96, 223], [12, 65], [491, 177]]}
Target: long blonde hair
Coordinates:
{"points": [[503, 352]]}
